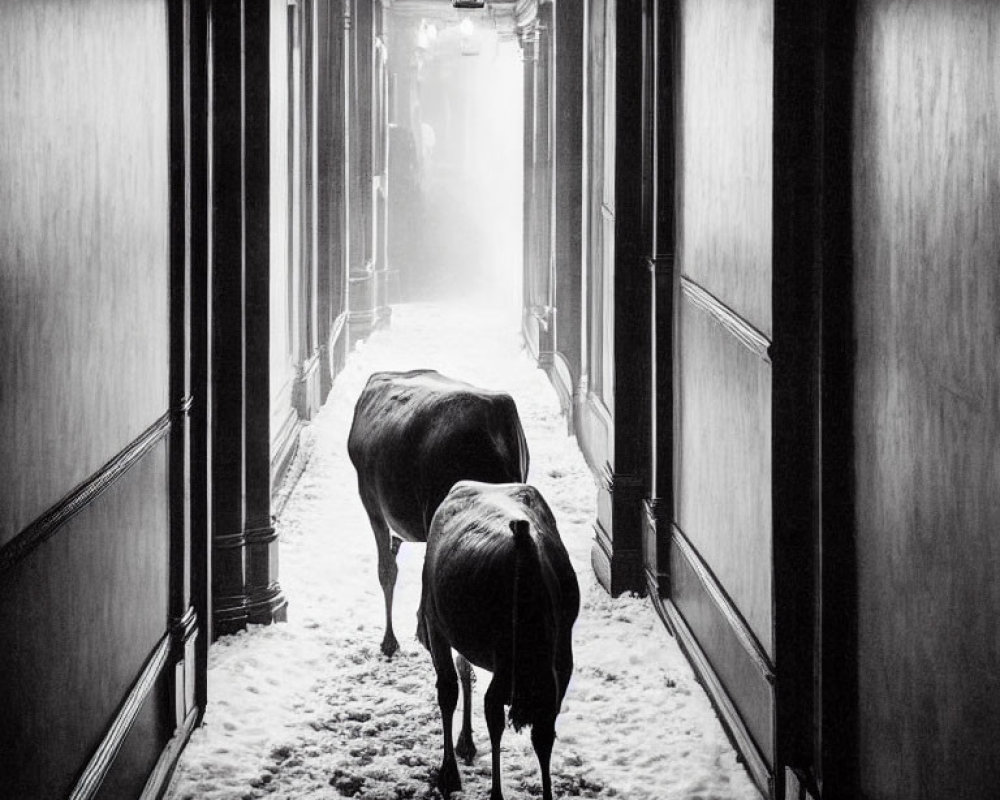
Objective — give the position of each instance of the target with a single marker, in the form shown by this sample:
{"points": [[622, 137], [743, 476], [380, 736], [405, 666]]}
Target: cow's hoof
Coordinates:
{"points": [[448, 779], [389, 646], [464, 747]]}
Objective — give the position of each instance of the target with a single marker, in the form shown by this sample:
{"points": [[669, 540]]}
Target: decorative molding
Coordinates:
{"points": [[747, 335], [100, 762], [730, 717], [525, 13], [617, 570], [654, 526], [305, 397], [659, 604], [284, 447], [266, 604], [262, 535], [163, 771], [661, 266], [282, 489], [558, 371], [543, 314], [226, 541], [530, 333], [49, 523], [726, 607]]}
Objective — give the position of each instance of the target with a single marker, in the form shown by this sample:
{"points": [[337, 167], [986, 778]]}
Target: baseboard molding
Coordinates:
{"points": [[100, 763], [594, 427], [618, 571], [530, 333], [655, 540], [337, 346], [558, 371], [731, 720], [283, 448], [734, 668], [159, 779], [306, 397], [45, 526], [283, 487], [721, 600]]}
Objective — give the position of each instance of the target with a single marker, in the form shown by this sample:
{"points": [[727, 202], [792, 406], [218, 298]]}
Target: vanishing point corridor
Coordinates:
{"points": [[312, 709]]}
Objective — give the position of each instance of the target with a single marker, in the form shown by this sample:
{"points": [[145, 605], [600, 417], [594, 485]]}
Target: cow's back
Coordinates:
{"points": [[415, 434], [469, 568]]}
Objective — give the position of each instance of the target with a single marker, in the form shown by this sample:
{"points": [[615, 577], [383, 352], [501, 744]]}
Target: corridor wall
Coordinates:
{"points": [[95, 394], [721, 546], [927, 400]]}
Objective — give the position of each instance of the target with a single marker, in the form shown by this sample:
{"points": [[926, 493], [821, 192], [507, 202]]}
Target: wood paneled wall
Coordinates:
{"points": [[726, 162], [927, 406], [85, 364], [724, 436], [83, 242], [84, 612]]}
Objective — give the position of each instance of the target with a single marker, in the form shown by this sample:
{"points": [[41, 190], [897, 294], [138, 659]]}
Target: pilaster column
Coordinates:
{"points": [[227, 294], [264, 600], [244, 548], [617, 550]]}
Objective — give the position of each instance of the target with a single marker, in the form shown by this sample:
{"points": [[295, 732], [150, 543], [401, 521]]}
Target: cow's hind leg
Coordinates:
{"points": [[493, 706], [543, 733], [447, 691], [388, 546], [465, 747]]}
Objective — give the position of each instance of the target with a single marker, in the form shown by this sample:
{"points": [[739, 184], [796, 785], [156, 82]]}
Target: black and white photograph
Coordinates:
{"points": [[507, 399]]}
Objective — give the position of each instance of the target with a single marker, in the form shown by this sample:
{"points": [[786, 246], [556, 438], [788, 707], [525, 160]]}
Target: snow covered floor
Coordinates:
{"points": [[311, 709]]}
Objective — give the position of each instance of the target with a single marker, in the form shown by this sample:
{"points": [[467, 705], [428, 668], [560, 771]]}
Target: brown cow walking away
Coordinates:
{"points": [[414, 435], [499, 588]]}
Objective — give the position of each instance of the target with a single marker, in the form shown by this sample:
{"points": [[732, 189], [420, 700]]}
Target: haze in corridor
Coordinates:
{"points": [[455, 230]]}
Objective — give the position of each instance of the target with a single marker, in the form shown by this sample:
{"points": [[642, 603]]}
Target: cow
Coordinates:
{"points": [[414, 435], [499, 588]]}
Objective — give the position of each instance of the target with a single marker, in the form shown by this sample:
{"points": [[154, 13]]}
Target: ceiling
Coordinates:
{"points": [[500, 11]]}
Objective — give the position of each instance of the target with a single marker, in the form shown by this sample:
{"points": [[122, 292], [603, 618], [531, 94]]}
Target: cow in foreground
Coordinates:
{"points": [[499, 588], [414, 435]]}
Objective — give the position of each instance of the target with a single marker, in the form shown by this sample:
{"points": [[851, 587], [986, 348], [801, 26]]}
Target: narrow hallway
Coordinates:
{"points": [[310, 708]]}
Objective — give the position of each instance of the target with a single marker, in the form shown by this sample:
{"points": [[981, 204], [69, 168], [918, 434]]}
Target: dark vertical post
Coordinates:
{"points": [[183, 618], [836, 754], [227, 321], [201, 384], [814, 570], [660, 221], [794, 358], [618, 561], [264, 599]]}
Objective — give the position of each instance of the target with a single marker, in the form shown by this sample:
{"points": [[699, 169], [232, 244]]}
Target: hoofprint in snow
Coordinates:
{"points": [[310, 708]]}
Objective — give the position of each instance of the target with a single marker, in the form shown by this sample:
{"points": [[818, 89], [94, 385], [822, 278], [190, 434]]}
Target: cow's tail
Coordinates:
{"points": [[527, 673]]}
